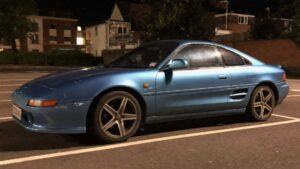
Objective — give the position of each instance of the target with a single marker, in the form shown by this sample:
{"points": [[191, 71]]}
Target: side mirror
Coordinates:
{"points": [[177, 64]]}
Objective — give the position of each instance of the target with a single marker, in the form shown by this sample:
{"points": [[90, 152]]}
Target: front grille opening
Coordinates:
{"points": [[26, 116]]}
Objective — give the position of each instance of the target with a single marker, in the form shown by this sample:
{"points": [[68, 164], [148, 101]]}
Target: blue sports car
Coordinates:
{"points": [[159, 81]]}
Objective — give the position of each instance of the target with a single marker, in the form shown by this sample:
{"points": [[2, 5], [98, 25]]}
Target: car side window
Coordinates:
{"points": [[200, 56], [231, 58]]}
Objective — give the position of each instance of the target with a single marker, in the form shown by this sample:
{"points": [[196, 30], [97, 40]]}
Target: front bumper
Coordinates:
{"points": [[67, 117]]}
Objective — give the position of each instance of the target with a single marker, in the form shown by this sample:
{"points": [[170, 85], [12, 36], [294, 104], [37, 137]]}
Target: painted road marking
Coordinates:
{"points": [[3, 101], [293, 80], [5, 118], [295, 90], [9, 85], [8, 80], [17, 77], [6, 92], [141, 142], [286, 117], [293, 96]]}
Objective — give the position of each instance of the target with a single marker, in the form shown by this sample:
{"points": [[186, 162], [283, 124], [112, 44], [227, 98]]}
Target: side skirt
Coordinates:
{"points": [[158, 119]]}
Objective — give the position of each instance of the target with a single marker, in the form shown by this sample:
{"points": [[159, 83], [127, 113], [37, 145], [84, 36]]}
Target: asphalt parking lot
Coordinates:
{"points": [[228, 142]]}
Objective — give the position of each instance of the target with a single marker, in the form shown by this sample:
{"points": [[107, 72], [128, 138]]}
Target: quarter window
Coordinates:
{"points": [[200, 56], [230, 58]]}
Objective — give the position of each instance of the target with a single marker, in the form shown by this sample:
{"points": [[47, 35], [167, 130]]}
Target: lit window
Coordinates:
{"points": [[79, 28], [67, 33], [80, 41], [243, 20], [35, 39]]}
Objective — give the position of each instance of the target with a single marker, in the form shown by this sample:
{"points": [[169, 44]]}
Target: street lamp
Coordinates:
{"points": [[225, 4], [268, 9]]}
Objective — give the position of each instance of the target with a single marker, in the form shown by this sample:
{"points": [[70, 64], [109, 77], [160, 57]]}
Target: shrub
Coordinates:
{"points": [[292, 72], [8, 57], [51, 58]]}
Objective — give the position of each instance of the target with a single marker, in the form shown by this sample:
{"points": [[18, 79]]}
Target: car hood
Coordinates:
{"points": [[53, 81]]}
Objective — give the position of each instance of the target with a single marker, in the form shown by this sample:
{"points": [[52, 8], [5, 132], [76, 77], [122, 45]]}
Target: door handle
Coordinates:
{"points": [[222, 77]]}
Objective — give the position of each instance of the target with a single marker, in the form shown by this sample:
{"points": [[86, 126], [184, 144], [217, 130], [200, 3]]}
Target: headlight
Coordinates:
{"points": [[41, 103]]}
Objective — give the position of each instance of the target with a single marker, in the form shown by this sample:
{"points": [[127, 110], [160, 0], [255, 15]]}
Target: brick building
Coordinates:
{"points": [[236, 23], [50, 33], [47, 33]]}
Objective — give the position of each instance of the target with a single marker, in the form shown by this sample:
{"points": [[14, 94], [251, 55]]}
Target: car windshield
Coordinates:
{"points": [[147, 56]]}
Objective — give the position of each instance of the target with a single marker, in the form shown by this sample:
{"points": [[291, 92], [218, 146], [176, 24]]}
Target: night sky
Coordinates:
{"points": [[94, 11]]}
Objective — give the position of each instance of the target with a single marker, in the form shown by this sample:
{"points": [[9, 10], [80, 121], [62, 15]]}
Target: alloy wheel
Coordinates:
{"points": [[263, 103], [118, 117]]}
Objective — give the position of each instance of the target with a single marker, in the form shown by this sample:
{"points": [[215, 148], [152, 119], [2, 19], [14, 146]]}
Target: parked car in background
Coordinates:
{"points": [[159, 81]]}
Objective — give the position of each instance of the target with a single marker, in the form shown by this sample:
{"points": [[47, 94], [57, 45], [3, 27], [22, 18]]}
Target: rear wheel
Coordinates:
{"points": [[116, 117], [262, 103]]}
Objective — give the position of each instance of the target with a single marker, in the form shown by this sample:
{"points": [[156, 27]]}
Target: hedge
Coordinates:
{"points": [[293, 72], [52, 58]]}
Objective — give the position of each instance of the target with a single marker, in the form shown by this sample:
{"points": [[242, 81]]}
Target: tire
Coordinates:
{"points": [[116, 117], [262, 103]]}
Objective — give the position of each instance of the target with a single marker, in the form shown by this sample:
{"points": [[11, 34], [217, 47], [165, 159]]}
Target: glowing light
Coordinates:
{"points": [[80, 41]]}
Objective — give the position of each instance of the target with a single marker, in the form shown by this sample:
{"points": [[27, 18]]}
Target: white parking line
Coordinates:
{"points": [[6, 92], [293, 96], [17, 77], [295, 80], [9, 85], [5, 118], [8, 80], [286, 117], [3, 101], [135, 143], [295, 90]]}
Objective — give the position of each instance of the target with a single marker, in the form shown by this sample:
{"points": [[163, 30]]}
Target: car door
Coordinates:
{"points": [[239, 69], [203, 86]]}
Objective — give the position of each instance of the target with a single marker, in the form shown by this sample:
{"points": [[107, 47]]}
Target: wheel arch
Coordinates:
{"points": [[272, 86], [136, 94]]}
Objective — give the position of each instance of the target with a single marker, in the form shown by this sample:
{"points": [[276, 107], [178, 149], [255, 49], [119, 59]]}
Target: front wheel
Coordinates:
{"points": [[116, 117], [262, 103]]}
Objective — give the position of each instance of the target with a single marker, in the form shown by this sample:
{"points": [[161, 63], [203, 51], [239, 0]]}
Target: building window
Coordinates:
{"points": [[125, 30], [120, 30], [35, 50], [52, 32], [52, 42], [34, 27], [243, 20], [80, 41], [67, 39], [35, 39], [67, 33], [52, 39], [52, 26]]}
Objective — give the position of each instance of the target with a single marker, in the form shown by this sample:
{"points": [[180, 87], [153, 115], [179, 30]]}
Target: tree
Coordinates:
{"points": [[179, 19], [265, 28], [13, 22], [296, 24]]}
